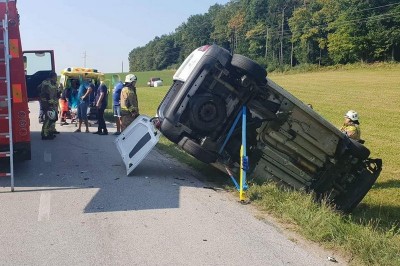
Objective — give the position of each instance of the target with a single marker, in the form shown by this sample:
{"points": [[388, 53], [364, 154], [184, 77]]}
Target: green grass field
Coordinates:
{"points": [[151, 96], [374, 92]]}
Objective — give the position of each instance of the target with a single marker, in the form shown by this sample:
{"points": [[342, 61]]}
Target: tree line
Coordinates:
{"points": [[282, 33]]}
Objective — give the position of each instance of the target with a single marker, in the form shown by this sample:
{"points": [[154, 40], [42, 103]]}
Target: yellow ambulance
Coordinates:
{"points": [[80, 74]]}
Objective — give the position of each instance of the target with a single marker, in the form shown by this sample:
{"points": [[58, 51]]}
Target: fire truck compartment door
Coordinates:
{"points": [[136, 141], [37, 67]]}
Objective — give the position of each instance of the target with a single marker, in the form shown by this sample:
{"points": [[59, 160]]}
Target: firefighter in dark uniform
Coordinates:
{"points": [[129, 102], [48, 102]]}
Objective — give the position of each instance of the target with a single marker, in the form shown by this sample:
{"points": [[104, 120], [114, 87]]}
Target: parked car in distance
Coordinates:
{"points": [[287, 141], [154, 82]]}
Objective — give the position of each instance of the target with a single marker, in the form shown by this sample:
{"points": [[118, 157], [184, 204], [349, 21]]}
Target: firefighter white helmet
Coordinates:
{"points": [[130, 78], [352, 115]]}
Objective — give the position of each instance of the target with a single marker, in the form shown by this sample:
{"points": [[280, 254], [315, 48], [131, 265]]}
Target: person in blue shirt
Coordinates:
{"points": [[73, 100], [117, 102], [101, 105], [73, 104], [83, 95]]}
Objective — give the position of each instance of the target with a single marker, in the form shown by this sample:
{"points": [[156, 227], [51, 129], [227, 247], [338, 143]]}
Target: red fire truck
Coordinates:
{"points": [[20, 74]]}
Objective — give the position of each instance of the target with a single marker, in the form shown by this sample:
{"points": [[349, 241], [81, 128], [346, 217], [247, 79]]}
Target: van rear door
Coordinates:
{"points": [[136, 141], [37, 65]]}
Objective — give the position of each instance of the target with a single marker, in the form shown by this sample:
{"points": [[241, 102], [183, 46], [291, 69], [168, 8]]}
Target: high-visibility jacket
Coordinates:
{"points": [[129, 101], [352, 130]]}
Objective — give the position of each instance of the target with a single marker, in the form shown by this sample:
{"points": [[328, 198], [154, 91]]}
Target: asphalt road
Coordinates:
{"points": [[74, 205]]}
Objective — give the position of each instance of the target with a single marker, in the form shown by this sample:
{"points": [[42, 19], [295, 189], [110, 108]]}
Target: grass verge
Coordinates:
{"points": [[363, 241]]}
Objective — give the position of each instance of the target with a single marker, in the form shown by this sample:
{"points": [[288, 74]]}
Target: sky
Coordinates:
{"points": [[100, 33]]}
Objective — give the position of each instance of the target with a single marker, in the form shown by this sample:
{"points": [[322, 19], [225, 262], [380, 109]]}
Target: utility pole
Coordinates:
{"points": [[291, 55], [236, 39], [266, 45], [320, 55], [232, 42], [122, 71], [84, 59]]}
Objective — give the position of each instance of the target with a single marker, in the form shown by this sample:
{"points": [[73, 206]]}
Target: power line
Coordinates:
{"points": [[372, 8], [340, 24], [371, 17]]}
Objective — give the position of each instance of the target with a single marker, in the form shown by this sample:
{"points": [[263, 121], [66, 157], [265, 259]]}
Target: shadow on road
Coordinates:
{"points": [[91, 163]]}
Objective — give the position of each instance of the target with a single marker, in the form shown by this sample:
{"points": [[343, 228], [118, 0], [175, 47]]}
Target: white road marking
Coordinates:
{"points": [[44, 206]]}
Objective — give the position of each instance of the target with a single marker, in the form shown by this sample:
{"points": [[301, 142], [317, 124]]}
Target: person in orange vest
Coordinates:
{"points": [[63, 106]]}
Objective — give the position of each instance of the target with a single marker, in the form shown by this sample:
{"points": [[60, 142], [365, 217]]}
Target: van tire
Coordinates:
{"points": [[249, 67], [207, 112], [197, 151]]}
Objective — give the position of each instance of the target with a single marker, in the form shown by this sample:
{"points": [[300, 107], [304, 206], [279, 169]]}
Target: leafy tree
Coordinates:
{"points": [[222, 35], [256, 35], [257, 38], [256, 11], [281, 32], [166, 52], [383, 30], [309, 27], [236, 25], [393, 25], [194, 33]]}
